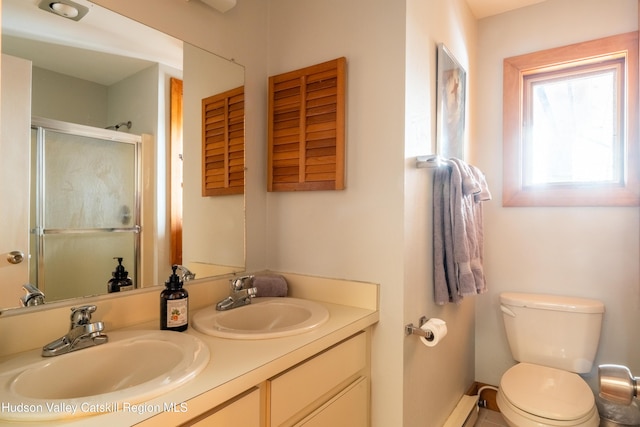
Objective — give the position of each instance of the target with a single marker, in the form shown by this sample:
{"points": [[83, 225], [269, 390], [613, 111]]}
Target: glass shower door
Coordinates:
{"points": [[87, 209]]}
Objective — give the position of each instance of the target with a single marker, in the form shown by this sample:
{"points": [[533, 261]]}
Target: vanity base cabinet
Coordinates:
{"points": [[324, 385], [330, 388]]}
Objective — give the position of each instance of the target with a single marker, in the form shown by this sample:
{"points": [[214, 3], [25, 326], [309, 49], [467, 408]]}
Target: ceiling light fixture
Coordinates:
{"points": [[64, 8], [220, 5]]}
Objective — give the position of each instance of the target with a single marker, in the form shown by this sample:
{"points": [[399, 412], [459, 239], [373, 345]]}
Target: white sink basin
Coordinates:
{"points": [[263, 318], [133, 367]]}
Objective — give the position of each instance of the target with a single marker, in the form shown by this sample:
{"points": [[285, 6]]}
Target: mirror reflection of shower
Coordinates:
{"points": [[119, 125], [85, 208]]}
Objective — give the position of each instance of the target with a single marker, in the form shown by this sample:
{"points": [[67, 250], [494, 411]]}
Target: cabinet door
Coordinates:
{"points": [[244, 412], [347, 409], [303, 385]]}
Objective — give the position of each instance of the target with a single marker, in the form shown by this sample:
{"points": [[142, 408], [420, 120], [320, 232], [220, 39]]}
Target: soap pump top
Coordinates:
{"points": [[174, 283], [120, 279]]}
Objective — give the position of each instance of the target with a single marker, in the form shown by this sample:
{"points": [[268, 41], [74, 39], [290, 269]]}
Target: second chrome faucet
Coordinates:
{"points": [[241, 291]]}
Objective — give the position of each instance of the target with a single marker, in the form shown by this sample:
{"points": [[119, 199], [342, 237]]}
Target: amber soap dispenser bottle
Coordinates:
{"points": [[174, 305]]}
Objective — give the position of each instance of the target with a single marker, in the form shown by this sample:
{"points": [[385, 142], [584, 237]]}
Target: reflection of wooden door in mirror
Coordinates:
{"points": [[14, 191], [176, 171]]}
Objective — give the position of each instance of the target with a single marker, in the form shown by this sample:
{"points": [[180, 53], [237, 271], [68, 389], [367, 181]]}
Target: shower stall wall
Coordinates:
{"points": [[85, 207]]}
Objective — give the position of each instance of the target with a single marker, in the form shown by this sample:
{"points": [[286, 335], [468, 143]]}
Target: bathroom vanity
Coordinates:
{"points": [[316, 378], [329, 386]]}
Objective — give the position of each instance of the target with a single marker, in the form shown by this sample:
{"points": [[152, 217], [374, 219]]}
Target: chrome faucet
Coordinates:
{"points": [[185, 274], [82, 333], [34, 296], [240, 293]]}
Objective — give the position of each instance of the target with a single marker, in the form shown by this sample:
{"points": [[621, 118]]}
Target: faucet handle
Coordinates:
{"points": [[81, 315], [33, 296], [185, 273], [240, 283]]}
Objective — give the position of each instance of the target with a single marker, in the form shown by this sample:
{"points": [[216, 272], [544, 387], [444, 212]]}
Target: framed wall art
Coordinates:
{"points": [[450, 98]]}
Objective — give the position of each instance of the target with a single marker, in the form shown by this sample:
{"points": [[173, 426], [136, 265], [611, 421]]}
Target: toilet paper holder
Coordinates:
{"points": [[410, 329]]}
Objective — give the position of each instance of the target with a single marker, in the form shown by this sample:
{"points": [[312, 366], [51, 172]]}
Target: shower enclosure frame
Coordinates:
{"points": [[41, 126]]}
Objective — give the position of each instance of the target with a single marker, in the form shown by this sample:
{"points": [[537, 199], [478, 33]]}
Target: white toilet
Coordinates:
{"points": [[554, 338]]}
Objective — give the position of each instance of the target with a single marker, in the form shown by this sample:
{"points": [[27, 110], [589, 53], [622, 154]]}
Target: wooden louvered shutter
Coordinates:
{"points": [[223, 143], [306, 128]]}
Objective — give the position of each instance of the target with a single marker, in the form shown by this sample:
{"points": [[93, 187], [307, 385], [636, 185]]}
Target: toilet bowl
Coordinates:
{"points": [[538, 396], [554, 338]]}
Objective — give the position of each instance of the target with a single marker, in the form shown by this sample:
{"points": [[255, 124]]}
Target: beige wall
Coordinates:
{"points": [[372, 230], [213, 227], [69, 99], [434, 378], [358, 232], [238, 34], [377, 229], [590, 252]]}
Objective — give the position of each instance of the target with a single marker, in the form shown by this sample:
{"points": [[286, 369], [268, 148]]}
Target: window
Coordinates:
{"points": [[570, 125]]}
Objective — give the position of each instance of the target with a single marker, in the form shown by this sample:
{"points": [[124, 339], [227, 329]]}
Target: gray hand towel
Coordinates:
{"points": [[270, 285], [458, 234]]}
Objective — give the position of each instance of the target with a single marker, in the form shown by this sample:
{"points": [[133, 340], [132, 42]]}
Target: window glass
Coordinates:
{"points": [[573, 133]]}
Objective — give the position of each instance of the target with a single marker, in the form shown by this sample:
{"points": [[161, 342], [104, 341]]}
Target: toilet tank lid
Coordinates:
{"points": [[552, 302]]}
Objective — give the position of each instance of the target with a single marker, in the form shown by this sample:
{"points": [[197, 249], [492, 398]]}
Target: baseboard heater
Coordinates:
{"points": [[465, 414]]}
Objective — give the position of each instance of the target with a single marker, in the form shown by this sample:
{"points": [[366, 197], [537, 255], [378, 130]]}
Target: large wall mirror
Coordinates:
{"points": [[109, 73]]}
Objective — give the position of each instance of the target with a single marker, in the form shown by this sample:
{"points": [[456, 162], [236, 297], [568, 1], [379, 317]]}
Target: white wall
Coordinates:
{"points": [[434, 378], [212, 226], [139, 99], [356, 233], [375, 230], [589, 252], [69, 99], [136, 99], [238, 34], [378, 229], [364, 232]]}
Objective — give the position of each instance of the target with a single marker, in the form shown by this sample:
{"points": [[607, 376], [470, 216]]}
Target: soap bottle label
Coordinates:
{"points": [[177, 312]]}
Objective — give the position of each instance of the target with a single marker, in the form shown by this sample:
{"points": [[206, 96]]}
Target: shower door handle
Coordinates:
{"points": [[15, 257]]}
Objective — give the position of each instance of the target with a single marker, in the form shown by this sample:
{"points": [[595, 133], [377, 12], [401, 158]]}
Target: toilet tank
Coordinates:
{"points": [[550, 330]]}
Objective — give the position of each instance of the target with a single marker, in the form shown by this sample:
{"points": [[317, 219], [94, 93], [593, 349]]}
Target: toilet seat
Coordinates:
{"points": [[518, 418], [547, 396]]}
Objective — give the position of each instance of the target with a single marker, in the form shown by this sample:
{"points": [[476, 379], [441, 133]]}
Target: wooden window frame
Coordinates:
{"points": [[306, 136], [515, 69]]}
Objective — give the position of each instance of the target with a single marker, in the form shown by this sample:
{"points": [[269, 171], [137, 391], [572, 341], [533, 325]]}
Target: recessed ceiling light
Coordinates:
{"points": [[65, 8]]}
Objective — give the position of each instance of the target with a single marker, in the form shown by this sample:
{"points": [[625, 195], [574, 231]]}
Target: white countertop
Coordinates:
{"points": [[234, 366]]}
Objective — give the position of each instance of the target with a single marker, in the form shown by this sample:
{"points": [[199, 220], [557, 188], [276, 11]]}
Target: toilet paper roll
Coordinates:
{"points": [[438, 329]]}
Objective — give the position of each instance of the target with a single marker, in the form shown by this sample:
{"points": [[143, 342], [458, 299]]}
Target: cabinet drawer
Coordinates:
{"points": [[349, 408], [244, 411], [295, 389]]}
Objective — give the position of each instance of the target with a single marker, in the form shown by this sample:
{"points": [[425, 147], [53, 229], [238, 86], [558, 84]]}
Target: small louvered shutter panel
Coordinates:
{"points": [[223, 143], [235, 129], [306, 128]]}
